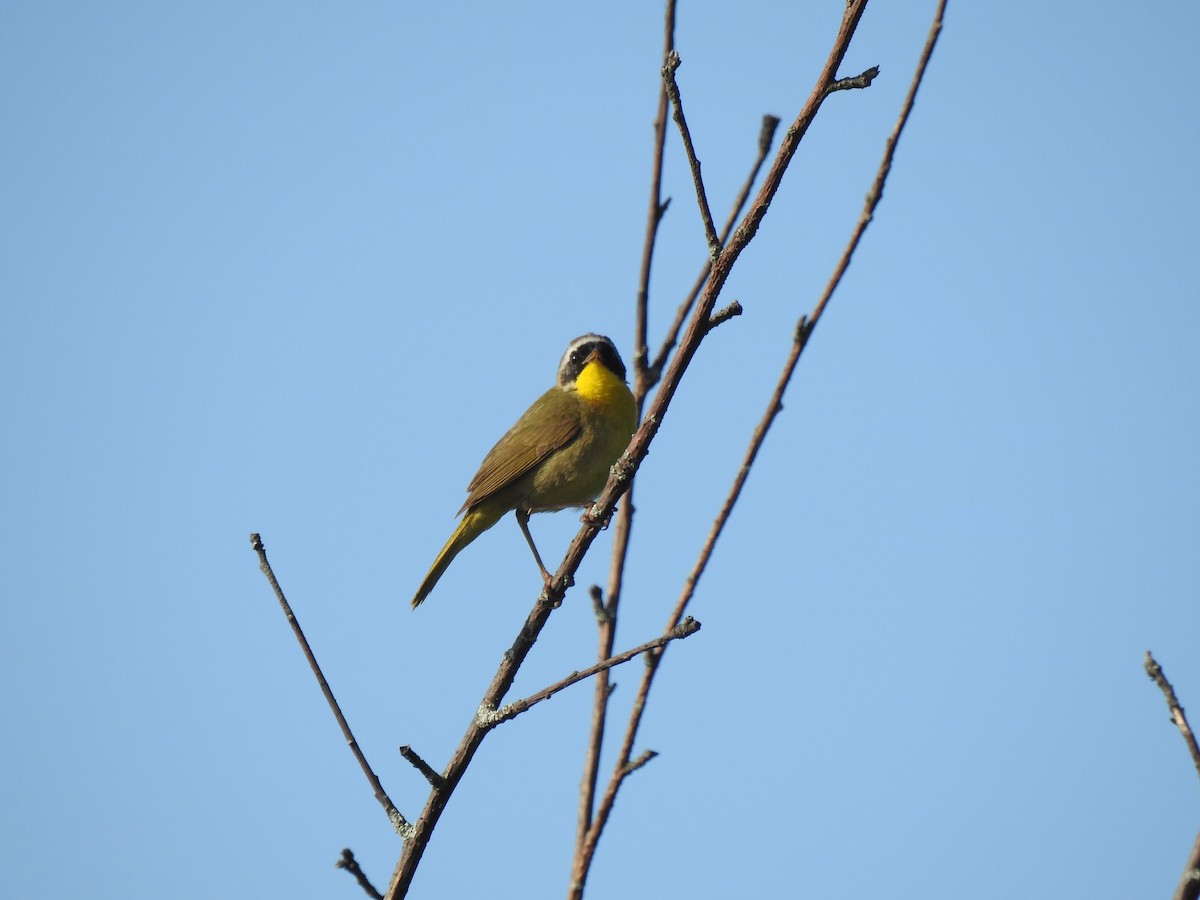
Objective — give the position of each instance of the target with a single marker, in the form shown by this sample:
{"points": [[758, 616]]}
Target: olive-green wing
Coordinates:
{"points": [[549, 425]]}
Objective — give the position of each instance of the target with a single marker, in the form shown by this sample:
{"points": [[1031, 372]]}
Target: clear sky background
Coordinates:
{"points": [[293, 268]]}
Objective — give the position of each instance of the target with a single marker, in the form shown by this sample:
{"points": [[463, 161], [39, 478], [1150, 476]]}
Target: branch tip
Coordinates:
{"points": [[350, 864], [802, 330], [686, 628], [671, 64], [634, 764], [1178, 716], [766, 136], [672, 88], [604, 615], [414, 759], [855, 82], [724, 315]]}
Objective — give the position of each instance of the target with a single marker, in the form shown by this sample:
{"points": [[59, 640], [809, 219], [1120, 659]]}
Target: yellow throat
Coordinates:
{"points": [[597, 384]]}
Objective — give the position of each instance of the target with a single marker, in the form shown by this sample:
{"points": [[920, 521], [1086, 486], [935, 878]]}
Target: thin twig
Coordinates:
{"points": [[350, 864], [599, 608], [856, 82], [766, 135], [1189, 883], [739, 239], [402, 826], [618, 483], [414, 759], [547, 601], [644, 757], [606, 613], [724, 315], [653, 218], [710, 230], [885, 167], [804, 328], [686, 628], [1154, 670], [645, 377]]}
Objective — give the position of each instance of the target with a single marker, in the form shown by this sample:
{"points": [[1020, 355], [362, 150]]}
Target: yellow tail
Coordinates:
{"points": [[473, 524]]}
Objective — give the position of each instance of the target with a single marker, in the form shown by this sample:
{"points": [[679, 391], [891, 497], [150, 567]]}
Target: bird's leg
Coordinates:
{"points": [[523, 521]]}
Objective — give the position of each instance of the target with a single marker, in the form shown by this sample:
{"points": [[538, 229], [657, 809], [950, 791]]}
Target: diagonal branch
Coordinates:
{"points": [[739, 239], [710, 231], [803, 330], [766, 136], [414, 759], [606, 614], [725, 253], [856, 82], [618, 483], [350, 864], [686, 628], [403, 828], [1154, 670], [657, 210], [1189, 882]]}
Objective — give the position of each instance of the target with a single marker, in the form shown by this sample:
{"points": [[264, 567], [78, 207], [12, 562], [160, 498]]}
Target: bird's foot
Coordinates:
{"points": [[592, 516]]}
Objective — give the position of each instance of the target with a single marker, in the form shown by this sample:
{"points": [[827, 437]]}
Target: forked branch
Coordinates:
{"points": [[667, 371], [686, 628], [696, 330]]}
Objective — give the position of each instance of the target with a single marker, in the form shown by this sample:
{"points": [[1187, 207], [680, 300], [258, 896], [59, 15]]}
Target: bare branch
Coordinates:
{"points": [[699, 325], [710, 230], [724, 315], [618, 484], [658, 209], [606, 613], [599, 609], [1189, 883], [686, 628], [414, 759], [724, 252], [402, 826], [1154, 670], [766, 135], [885, 167], [739, 239], [350, 864], [856, 82], [644, 757], [486, 714]]}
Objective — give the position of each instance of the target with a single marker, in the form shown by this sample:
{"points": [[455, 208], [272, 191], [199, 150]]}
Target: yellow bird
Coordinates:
{"points": [[558, 455]]}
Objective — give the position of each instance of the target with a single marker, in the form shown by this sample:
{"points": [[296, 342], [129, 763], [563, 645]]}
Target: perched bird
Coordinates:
{"points": [[558, 454]]}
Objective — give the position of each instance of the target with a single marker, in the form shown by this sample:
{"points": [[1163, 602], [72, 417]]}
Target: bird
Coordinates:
{"points": [[558, 454]]}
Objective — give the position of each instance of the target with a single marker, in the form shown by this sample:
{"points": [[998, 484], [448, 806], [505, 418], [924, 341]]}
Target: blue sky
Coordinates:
{"points": [[294, 269]]}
